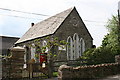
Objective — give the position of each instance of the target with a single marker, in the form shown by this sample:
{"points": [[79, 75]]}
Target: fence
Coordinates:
{"points": [[35, 70]]}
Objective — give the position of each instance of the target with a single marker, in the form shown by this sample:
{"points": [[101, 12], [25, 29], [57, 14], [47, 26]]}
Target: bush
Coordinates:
{"points": [[98, 56]]}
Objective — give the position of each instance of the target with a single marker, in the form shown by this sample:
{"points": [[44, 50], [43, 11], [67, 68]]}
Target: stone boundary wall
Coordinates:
{"points": [[12, 67], [90, 71]]}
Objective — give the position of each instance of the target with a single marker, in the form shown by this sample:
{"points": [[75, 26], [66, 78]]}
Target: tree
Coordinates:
{"points": [[5, 57], [111, 40], [110, 45], [52, 45]]}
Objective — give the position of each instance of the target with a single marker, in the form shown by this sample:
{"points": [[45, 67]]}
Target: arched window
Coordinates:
{"points": [[25, 54], [82, 45], [44, 45], [76, 46], [69, 48], [33, 50]]}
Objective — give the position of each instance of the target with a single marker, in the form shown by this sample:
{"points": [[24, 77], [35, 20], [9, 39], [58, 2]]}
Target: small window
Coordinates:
{"points": [[44, 45]]}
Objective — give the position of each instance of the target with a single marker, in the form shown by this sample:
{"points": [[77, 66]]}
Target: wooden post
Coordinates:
{"points": [[31, 62], [50, 68], [31, 70]]}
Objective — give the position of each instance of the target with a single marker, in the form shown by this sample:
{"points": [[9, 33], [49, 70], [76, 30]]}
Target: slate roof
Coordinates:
{"points": [[45, 27]]}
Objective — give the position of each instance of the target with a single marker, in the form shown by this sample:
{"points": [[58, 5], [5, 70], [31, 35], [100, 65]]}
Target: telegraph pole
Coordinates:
{"points": [[119, 14], [119, 26]]}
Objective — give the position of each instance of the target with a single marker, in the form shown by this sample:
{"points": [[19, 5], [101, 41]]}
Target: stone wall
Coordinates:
{"points": [[91, 71], [5, 43], [12, 67], [117, 59], [17, 62]]}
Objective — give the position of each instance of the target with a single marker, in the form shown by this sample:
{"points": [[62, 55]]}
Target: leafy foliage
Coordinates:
{"points": [[112, 40], [98, 56], [6, 56], [109, 48], [52, 43]]}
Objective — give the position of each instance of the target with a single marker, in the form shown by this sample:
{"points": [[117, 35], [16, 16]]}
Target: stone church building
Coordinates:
{"points": [[67, 26]]}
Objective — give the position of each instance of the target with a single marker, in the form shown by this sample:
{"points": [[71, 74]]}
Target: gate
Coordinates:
{"points": [[35, 70]]}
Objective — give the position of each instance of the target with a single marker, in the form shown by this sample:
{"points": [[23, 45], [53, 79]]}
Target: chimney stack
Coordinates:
{"points": [[32, 24]]}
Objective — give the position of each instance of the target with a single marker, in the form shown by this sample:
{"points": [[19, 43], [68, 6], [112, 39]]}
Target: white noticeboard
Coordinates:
{"points": [[62, 47]]}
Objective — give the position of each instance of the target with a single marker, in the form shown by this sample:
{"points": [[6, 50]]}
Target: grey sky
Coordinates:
{"points": [[94, 13]]}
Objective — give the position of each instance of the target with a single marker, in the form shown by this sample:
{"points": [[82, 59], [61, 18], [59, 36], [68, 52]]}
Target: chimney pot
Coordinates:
{"points": [[32, 24]]}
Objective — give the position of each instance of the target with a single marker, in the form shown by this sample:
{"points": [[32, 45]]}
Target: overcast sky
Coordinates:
{"points": [[94, 13]]}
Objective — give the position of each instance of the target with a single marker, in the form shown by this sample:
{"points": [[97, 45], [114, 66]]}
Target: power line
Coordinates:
{"points": [[95, 21], [43, 19], [23, 12], [19, 16], [36, 14]]}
